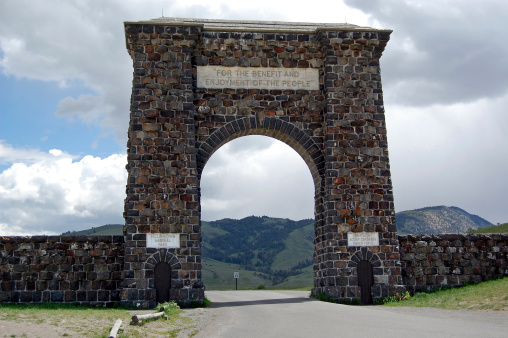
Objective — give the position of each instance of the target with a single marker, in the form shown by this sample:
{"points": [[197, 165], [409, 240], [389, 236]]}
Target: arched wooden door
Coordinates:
{"points": [[365, 281], [162, 283]]}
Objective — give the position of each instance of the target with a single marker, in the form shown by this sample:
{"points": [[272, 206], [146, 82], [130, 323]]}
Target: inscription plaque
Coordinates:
{"points": [[214, 77], [162, 241], [363, 239]]}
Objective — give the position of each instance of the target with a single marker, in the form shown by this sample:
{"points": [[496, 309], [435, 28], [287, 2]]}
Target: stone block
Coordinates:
{"points": [[57, 296], [5, 296], [103, 295], [91, 296], [36, 296]]}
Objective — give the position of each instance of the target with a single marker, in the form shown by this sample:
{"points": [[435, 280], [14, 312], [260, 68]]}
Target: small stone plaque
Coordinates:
{"points": [[214, 77], [363, 239], [163, 241]]}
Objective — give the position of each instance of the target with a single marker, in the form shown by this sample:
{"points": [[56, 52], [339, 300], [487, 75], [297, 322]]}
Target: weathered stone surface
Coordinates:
{"points": [[333, 117], [435, 261], [427, 262], [54, 272]]}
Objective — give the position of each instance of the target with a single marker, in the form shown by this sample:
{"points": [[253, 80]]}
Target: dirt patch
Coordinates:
{"points": [[98, 323]]}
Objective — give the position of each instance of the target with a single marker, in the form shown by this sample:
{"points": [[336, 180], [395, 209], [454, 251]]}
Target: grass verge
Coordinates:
{"points": [[490, 295]]}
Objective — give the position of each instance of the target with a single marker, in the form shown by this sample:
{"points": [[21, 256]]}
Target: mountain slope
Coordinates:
{"points": [[438, 220], [257, 242], [273, 250], [494, 229]]}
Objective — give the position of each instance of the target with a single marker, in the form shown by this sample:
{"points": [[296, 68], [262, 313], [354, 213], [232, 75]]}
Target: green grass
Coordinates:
{"points": [[64, 316], [206, 228], [297, 249], [304, 279], [219, 276], [493, 229], [274, 220], [490, 295]]}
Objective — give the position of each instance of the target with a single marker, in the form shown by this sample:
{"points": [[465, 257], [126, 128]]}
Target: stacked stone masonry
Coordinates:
{"points": [[339, 130], [89, 270], [436, 261], [72, 269]]}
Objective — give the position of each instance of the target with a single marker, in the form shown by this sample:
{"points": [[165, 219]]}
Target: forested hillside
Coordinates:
{"points": [[273, 247]]}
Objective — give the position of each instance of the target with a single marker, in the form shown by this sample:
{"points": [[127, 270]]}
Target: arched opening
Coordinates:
{"points": [[365, 280], [162, 282], [257, 213]]}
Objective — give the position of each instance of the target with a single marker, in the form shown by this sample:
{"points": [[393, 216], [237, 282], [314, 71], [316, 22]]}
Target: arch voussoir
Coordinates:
{"points": [[364, 254], [270, 126]]}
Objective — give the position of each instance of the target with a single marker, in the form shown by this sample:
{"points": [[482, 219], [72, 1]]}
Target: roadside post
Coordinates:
{"points": [[236, 275]]}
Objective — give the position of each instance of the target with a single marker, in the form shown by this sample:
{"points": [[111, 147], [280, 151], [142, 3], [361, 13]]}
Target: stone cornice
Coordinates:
{"points": [[256, 26]]}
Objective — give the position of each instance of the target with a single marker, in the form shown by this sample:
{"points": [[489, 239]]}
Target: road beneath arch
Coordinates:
{"points": [[294, 314]]}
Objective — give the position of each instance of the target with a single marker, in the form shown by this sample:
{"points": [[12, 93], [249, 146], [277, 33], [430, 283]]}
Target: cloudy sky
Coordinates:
{"points": [[65, 80]]}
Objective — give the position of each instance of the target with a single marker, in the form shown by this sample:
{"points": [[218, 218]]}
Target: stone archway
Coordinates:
{"points": [[198, 84], [281, 130]]}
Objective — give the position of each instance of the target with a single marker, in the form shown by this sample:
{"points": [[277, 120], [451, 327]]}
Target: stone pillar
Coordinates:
{"points": [[162, 188], [357, 188]]}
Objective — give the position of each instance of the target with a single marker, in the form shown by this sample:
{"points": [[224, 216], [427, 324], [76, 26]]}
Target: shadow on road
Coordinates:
{"points": [[261, 302]]}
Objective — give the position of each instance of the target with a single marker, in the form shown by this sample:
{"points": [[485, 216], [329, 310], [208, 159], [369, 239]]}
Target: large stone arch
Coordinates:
{"points": [[198, 84], [279, 129]]}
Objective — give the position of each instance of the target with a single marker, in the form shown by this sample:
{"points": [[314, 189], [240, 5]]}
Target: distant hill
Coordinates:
{"points": [[494, 229], [438, 220], [108, 229], [274, 248]]}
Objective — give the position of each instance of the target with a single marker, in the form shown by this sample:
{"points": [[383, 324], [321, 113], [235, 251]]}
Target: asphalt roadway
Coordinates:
{"points": [[293, 314]]}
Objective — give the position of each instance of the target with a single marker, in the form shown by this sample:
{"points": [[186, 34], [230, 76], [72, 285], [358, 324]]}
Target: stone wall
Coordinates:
{"points": [[435, 261], [89, 269], [71, 269]]}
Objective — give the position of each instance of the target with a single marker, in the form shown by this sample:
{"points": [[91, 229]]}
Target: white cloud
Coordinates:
{"points": [[10, 155], [452, 155], [266, 178], [68, 41], [88, 108], [445, 81], [441, 52], [50, 193]]}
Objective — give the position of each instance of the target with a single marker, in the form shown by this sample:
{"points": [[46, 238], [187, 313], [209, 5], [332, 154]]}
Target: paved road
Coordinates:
{"points": [[292, 314]]}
